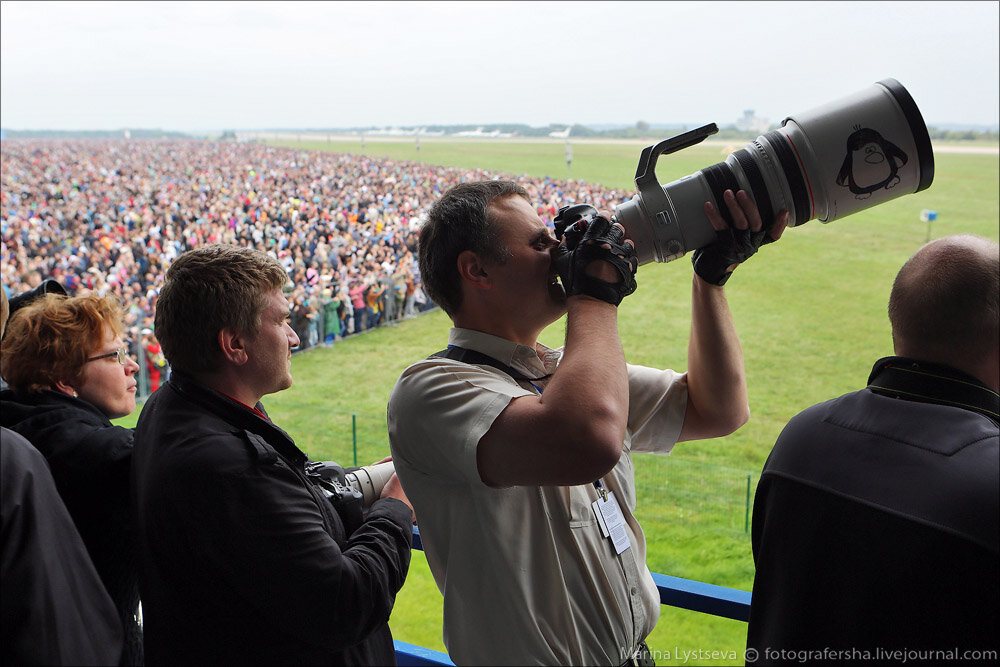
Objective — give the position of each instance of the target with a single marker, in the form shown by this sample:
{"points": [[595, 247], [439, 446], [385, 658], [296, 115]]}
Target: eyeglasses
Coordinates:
{"points": [[121, 353]]}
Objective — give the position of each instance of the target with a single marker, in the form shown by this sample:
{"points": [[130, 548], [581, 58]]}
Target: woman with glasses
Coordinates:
{"points": [[69, 373]]}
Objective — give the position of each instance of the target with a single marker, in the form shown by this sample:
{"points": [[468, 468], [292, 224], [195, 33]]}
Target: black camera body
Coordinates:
{"points": [[345, 498]]}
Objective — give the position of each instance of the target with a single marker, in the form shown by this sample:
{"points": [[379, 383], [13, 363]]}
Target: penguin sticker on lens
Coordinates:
{"points": [[872, 163]]}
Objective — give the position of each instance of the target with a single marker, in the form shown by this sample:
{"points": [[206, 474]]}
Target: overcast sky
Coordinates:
{"points": [[204, 66]]}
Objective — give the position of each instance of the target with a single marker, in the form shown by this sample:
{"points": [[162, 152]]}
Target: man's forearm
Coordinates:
{"points": [[573, 432], [717, 391], [591, 380]]}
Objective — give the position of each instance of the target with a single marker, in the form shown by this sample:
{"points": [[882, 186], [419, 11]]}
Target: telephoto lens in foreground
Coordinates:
{"points": [[370, 480], [825, 163]]}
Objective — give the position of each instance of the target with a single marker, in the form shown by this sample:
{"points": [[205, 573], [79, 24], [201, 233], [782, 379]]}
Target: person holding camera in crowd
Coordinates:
{"points": [[877, 515], [243, 559], [69, 372], [518, 458], [54, 609]]}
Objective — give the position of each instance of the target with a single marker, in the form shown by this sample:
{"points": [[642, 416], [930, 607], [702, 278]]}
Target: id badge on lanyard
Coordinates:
{"points": [[610, 518]]}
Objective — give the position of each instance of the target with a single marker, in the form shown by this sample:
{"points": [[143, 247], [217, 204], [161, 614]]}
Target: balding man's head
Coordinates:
{"points": [[945, 305]]}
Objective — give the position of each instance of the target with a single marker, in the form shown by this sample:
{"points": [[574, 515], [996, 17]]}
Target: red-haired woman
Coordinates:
{"points": [[69, 374]]}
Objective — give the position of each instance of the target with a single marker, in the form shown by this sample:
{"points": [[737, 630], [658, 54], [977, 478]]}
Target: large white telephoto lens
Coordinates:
{"points": [[825, 163], [370, 480]]}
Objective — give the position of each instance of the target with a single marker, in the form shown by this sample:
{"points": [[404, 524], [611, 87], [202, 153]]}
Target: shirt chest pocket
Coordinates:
{"points": [[569, 505]]}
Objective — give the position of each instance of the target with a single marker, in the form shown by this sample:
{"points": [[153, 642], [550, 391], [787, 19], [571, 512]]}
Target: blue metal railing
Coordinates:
{"points": [[706, 598], [674, 591], [408, 655]]}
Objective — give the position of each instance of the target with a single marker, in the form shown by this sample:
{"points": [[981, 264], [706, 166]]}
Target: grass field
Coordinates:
{"points": [[810, 311]]}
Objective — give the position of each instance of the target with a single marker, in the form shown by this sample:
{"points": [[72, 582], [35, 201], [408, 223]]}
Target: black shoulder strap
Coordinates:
{"points": [[472, 357], [265, 453]]}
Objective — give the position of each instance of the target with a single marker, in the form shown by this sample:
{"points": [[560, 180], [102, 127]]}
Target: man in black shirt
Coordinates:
{"points": [[243, 560], [875, 529]]}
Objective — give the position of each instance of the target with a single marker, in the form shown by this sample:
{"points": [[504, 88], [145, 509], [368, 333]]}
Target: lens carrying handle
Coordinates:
{"points": [[652, 197]]}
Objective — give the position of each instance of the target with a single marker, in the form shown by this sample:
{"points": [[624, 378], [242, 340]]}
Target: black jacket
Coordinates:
{"points": [[53, 607], [89, 459], [875, 524], [242, 558]]}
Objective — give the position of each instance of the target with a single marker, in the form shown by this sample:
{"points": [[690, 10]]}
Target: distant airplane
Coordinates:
{"points": [[564, 134], [478, 132], [403, 132], [391, 132]]}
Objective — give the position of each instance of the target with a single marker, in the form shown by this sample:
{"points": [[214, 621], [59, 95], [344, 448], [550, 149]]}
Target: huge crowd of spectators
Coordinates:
{"points": [[110, 215]]}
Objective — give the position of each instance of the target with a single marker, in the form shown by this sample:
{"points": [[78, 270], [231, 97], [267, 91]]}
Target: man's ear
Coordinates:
{"points": [[473, 270], [233, 346]]}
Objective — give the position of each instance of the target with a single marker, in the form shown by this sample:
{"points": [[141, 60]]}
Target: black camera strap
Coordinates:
{"points": [[468, 356], [899, 377]]}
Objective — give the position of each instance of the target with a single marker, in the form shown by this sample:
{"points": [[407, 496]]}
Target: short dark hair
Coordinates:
{"points": [[461, 220], [945, 301], [208, 289]]}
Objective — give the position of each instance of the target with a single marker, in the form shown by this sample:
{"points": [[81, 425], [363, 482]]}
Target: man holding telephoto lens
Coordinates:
{"points": [[517, 457], [244, 558]]}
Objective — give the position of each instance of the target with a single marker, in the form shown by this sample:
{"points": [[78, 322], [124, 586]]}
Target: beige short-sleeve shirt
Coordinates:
{"points": [[526, 574]]}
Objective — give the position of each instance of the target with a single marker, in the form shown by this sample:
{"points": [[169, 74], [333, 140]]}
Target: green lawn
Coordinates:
{"points": [[811, 314]]}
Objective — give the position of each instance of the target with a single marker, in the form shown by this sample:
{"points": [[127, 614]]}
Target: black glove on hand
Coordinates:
{"points": [[572, 222], [731, 246], [572, 263]]}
